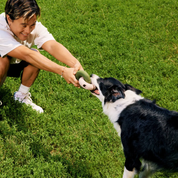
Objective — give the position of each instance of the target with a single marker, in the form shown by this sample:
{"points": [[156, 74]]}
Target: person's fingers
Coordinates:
{"points": [[77, 67], [70, 77], [75, 83]]}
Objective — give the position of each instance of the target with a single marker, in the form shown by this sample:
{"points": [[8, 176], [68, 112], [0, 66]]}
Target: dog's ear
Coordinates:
{"points": [[116, 93], [129, 87]]}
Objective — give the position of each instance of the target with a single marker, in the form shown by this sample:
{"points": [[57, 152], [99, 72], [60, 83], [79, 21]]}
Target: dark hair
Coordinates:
{"points": [[22, 8]]}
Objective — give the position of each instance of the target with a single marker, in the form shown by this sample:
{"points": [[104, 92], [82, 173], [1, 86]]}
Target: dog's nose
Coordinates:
{"points": [[91, 75]]}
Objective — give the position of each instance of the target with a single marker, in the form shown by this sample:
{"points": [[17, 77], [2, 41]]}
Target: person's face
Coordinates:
{"points": [[22, 28]]}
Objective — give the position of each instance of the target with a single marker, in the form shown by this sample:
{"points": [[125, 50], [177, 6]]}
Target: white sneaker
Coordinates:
{"points": [[26, 98]]}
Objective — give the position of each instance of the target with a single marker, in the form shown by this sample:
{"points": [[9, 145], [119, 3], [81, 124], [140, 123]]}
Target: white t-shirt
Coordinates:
{"points": [[8, 41]]}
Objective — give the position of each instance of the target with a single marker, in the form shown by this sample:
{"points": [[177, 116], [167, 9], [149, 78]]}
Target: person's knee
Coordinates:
{"points": [[35, 68], [31, 67], [4, 66]]}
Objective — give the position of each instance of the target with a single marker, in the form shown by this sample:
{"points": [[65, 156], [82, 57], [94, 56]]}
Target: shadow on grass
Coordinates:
{"points": [[12, 121], [11, 110], [70, 168]]}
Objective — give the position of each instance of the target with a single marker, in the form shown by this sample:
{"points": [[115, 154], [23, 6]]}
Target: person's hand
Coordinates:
{"points": [[77, 67], [69, 76]]}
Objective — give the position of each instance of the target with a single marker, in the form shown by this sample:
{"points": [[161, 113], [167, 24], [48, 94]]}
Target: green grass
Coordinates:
{"points": [[134, 41]]}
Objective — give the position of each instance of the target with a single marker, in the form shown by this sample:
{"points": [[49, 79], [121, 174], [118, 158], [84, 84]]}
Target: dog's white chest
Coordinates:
{"points": [[113, 110]]}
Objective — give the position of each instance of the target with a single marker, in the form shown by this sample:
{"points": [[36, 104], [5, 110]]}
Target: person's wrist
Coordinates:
{"points": [[62, 71]]}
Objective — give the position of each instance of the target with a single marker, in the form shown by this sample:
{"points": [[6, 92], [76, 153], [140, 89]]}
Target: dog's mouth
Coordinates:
{"points": [[95, 91]]}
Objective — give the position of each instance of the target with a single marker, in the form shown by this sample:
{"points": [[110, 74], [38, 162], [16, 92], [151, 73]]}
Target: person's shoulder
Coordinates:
{"points": [[2, 20], [4, 28], [39, 24], [39, 28], [2, 14], [2, 17]]}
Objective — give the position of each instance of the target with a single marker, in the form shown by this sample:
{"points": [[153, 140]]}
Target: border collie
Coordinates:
{"points": [[149, 133]]}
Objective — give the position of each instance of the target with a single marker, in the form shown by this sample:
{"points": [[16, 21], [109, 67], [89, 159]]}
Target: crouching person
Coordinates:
{"points": [[19, 31]]}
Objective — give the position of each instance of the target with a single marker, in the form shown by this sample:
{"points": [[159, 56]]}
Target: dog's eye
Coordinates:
{"points": [[84, 85]]}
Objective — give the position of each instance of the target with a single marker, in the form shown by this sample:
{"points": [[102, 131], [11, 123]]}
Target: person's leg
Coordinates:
{"points": [[23, 95], [28, 77], [4, 66]]}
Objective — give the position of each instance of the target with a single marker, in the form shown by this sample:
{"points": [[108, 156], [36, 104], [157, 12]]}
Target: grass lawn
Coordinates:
{"points": [[135, 41]]}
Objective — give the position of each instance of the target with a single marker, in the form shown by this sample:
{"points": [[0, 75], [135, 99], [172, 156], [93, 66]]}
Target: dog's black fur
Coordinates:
{"points": [[149, 133]]}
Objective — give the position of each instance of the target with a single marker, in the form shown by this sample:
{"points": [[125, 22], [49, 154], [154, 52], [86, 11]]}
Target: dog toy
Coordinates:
{"points": [[84, 80]]}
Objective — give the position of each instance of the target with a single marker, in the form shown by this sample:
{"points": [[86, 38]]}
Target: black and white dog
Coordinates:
{"points": [[149, 133]]}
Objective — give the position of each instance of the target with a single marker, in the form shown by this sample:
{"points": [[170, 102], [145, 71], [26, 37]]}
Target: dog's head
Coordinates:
{"points": [[110, 89]]}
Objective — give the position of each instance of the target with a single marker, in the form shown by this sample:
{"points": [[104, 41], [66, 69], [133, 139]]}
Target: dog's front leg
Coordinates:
{"points": [[118, 128], [128, 174]]}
